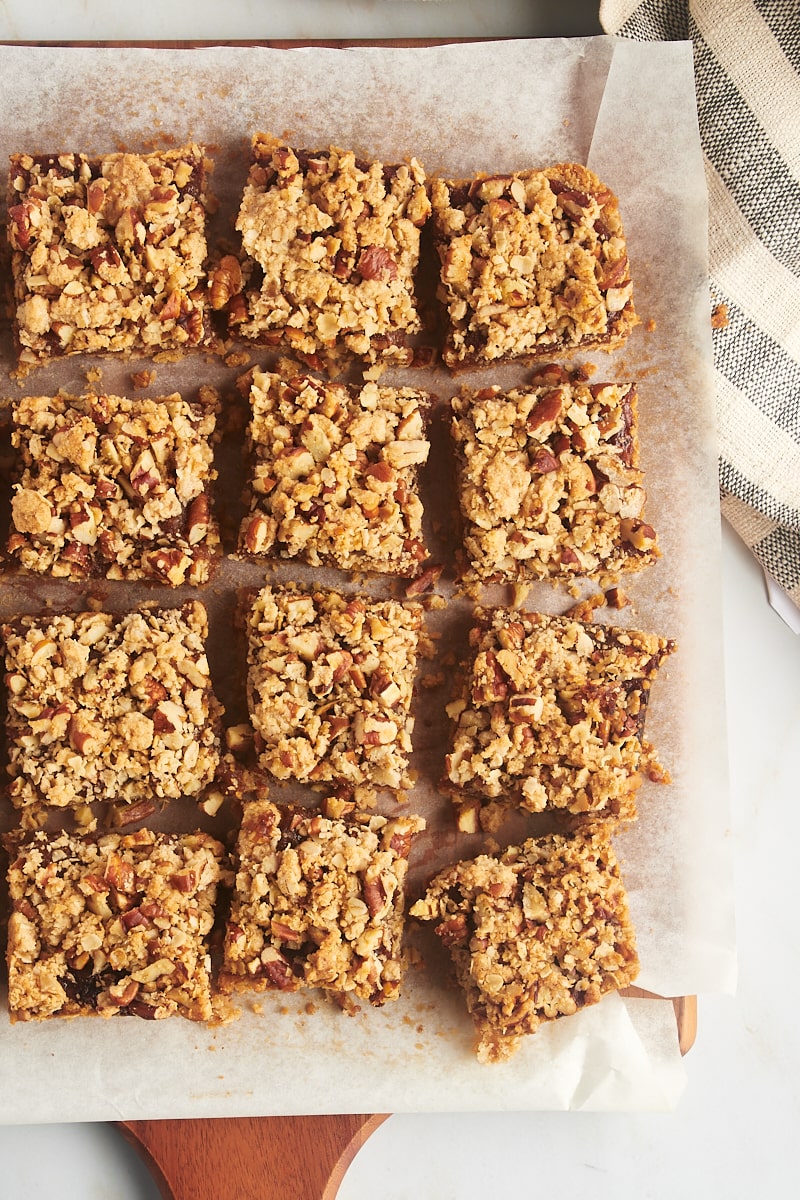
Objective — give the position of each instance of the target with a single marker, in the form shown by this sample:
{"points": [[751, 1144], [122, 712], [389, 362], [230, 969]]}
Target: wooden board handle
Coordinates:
{"points": [[685, 1015], [279, 1158], [251, 1158]]}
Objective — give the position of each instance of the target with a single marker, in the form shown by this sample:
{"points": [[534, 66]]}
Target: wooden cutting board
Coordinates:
{"points": [[279, 1158], [250, 1158]]}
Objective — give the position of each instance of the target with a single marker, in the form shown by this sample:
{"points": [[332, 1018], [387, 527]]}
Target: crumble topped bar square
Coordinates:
{"points": [[331, 247], [330, 683], [109, 707], [551, 716], [108, 253], [548, 482], [113, 925], [334, 474], [532, 263], [319, 903], [537, 933], [114, 487]]}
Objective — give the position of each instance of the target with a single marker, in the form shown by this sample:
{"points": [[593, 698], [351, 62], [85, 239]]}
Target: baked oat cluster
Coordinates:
{"points": [[331, 244], [330, 683], [334, 474], [551, 715], [108, 254], [536, 933], [548, 481], [109, 707], [318, 903], [114, 487], [533, 264], [114, 925]]}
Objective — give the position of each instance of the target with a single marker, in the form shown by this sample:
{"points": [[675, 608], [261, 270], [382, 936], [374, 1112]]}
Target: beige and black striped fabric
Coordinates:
{"points": [[747, 73]]}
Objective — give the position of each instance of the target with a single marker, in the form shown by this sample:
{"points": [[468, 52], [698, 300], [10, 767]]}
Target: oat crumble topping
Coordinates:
{"points": [[551, 715], [532, 263], [111, 925], [109, 707], [334, 474], [535, 934], [108, 254], [330, 684], [548, 481], [319, 902], [331, 246], [114, 487]]}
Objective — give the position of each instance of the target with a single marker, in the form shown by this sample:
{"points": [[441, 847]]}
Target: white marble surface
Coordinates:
{"points": [[733, 1134]]}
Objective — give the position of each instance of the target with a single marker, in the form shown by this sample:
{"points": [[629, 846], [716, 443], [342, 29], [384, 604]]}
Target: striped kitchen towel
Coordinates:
{"points": [[747, 75]]}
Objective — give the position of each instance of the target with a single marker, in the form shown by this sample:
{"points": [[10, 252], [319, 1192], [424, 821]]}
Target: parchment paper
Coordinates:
{"points": [[628, 112]]}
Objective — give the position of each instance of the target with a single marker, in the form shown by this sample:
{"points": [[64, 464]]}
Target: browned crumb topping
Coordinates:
{"points": [[535, 934], [108, 253], [335, 246], [617, 598], [719, 316], [425, 582], [584, 610], [330, 683], [109, 707], [142, 379], [318, 902], [532, 263], [334, 474], [114, 487], [548, 481], [551, 714], [114, 925]]}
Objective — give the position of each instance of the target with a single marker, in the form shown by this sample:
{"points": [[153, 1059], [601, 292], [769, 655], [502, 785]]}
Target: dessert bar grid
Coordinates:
{"points": [[116, 495], [111, 254]]}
